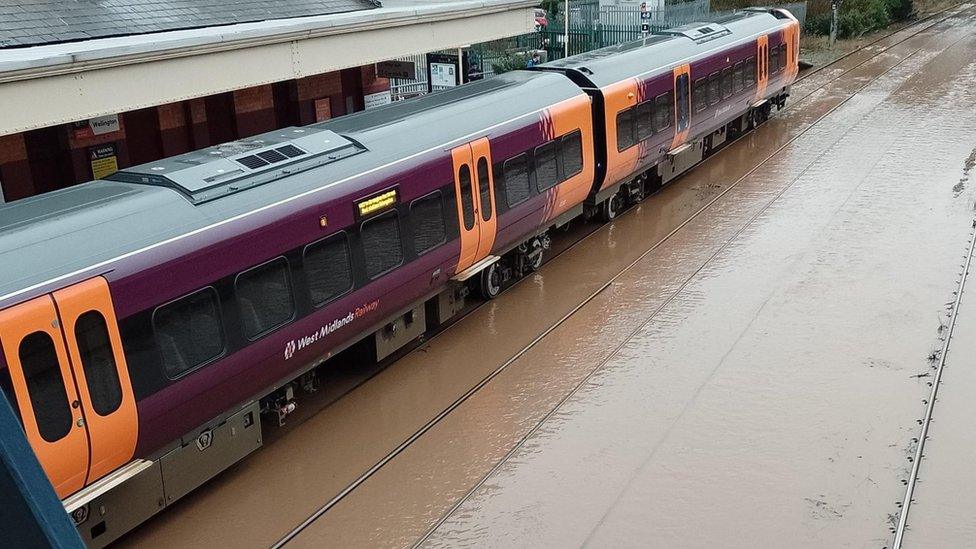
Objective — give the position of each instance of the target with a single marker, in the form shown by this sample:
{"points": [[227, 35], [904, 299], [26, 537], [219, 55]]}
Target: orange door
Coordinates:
{"points": [[475, 190], [762, 66], [71, 383], [44, 389]]}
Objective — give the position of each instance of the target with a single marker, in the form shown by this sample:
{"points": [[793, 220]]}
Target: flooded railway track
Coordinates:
{"points": [[804, 93]]}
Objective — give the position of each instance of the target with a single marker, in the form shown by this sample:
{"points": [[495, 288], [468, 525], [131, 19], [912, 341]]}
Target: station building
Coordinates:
{"points": [[87, 88]]}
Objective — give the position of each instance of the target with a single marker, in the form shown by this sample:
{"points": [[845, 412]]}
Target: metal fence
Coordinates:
{"points": [[591, 26]]}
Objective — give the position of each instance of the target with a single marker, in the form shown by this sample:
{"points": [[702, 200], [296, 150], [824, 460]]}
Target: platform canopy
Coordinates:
{"points": [[79, 72]]}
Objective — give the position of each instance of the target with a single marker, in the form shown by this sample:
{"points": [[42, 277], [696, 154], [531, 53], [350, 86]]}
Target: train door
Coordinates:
{"points": [[762, 66], [475, 190], [682, 104], [70, 383]]}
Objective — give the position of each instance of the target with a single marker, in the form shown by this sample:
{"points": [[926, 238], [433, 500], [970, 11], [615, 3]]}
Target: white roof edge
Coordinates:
{"points": [[37, 61]]}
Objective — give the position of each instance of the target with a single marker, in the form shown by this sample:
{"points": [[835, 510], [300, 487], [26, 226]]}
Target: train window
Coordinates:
{"points": [[714, 91], [545, 166], [737, 77], [427, 220], [98, 361], [699, 95], [484, 189], [188, 332], [516, 172], [783, 61], [625, 130], [773, 54], [750, 72], [571, 154], [662, 111], [467, 198], [645, 120], [265, 298], [327, 268], [726, 82], [42, 371], [381, 243]]}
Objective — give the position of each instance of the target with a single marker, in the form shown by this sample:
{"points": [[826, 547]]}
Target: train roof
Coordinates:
{"points": [[661, 51], [54, 235]]}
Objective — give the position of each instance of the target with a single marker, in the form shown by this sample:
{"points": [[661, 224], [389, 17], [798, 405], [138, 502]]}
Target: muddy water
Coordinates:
{"points": [[262, 498], [772, 400]]}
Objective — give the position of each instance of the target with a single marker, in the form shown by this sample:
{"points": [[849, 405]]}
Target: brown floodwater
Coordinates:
{"points": [[681, 365]]}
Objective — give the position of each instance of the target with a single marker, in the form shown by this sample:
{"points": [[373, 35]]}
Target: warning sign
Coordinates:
{"points": [[104, 160]]}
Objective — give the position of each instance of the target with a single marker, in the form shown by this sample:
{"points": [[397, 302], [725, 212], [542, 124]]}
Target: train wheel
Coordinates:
{"points": [[610, 207], [491, 281]]}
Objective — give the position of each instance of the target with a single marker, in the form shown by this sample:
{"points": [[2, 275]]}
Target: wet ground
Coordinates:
{"points": [[741, 360]]}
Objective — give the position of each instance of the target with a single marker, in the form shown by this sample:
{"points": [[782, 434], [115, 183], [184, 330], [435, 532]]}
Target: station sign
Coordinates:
{"points": [[96, 126], [443, 71], [404, 70], [373, 100]]}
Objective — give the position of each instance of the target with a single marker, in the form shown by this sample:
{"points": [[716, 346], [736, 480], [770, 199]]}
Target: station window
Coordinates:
{"points": [[188, 332], [98, 361], [516, 176], [662, 111], [264, 297], [645, 120], [699, 95], [545, 166], [327, 268], [381, 243], [750, 72], [625, 130], [467, 197], [427, 220], [726, 82], [571, 153], [738, 76], [45, 386], [484, 180], [714, 91]]}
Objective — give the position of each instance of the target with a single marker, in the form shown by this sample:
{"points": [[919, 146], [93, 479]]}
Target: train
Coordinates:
{"points": [[148, 321]]}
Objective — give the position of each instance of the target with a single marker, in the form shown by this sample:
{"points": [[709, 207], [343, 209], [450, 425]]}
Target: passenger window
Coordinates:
{"points": [[45, 385], [699, 95], [188, 332], [625, 130], [714, 93], [98, 362], [546, 172], [726, 82], [265, 298], [750, 73], [328, 270], [483, 189], [571, 153], [516, 179], [467, 198], [773, 60], [381, 243], [645, 122], [427, 220], [783, 61], [662, 111], [737, 77]]}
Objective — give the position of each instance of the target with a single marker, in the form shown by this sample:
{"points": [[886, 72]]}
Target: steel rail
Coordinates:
{"points": [[927, 420]]}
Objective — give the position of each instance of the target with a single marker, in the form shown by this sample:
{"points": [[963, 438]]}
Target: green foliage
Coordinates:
{"points": [[858, 17], [551, 7], [509, 62]]}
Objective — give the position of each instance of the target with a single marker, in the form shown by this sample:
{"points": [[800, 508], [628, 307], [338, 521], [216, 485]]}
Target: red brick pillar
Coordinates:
{"points": [[174, 135], [15, 173], [196, 110], [325, 88], [255, 110]]}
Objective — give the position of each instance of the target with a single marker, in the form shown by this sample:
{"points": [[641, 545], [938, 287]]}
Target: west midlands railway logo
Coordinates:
{"points": [[294, 346], [290, 349]]}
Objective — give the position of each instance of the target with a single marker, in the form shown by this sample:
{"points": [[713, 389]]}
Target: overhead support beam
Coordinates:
{"points": [[58, 84]]}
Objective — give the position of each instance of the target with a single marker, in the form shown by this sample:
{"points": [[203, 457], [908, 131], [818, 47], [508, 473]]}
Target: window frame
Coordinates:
{"points": [[561, 160], [750, 77], [668, 102], [646, 107], [85, 359], [220, 323], [726, 83], [555, 157], [715, 77], [440, 199], [484, 189], [474, 216], [629, 111], [699, 95], [291, 288], [396, 215], [740, 69], [352, 274]]}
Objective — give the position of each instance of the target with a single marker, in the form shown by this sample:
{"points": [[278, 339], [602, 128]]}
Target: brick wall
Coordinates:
{"points": [[255, 110], [15, 173]]}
